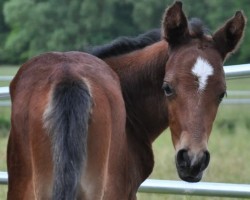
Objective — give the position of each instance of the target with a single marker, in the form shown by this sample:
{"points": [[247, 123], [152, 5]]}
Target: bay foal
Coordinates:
{"points": [[83, 129]]}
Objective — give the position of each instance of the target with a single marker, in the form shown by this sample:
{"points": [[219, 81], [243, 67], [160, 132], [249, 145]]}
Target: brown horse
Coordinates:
{"points": [[83, 129]]}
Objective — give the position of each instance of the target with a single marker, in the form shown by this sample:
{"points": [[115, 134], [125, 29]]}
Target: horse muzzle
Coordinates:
{"points": [[190, 166]]}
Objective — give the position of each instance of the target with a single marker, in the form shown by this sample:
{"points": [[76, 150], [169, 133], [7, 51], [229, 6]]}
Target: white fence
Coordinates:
{"points": [[6, 78], [4, 92], [196, 189], [180, 187], [184, 188]]}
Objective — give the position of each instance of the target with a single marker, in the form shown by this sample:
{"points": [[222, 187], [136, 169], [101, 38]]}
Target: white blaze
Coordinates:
{"points": [[202, 69]]}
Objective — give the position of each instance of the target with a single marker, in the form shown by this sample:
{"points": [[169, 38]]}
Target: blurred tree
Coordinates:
{"points": [[53, 25], [21, 16], [4, 30], [37, 26], [148, 14]]}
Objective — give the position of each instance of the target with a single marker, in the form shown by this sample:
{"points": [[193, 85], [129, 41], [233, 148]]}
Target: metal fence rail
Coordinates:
{"points": [[5, 103], [6, 78], [196, 189], [184, 188], [231, 71], [4, 92], [234, 101], [237, 71], [3, 178], [238, 93]]}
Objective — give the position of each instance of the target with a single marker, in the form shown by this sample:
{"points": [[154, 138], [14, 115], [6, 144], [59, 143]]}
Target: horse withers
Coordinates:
{"points": [[82, 128]]}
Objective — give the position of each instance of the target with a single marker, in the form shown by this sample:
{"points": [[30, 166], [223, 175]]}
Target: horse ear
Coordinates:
{"points": [[175, 25], [229, 35]]}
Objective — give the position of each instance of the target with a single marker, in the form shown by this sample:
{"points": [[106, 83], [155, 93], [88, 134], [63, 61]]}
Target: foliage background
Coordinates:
{"points": [[30, 27]]}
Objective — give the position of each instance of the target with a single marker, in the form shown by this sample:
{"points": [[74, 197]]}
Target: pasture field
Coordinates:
{"points": [[229, 147], [8, 70]]}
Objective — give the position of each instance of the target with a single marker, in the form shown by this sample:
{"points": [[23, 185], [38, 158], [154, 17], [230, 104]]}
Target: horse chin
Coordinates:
{"points": [[188, 177]]}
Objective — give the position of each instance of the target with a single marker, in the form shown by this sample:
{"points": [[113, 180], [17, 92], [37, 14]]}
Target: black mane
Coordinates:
{"points": [[125, 45]]}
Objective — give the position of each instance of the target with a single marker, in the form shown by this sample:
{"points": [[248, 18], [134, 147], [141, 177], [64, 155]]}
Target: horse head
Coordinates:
{"points": [[194, 84]]}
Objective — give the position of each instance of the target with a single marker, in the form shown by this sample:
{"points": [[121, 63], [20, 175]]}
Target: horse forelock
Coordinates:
{"points": [[197, 29]]}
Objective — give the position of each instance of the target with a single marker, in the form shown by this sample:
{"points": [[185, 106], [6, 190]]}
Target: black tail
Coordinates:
{"points": [[66, 120]]}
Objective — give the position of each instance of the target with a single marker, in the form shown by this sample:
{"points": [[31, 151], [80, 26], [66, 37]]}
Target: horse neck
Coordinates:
{"points": [[141, 74]]}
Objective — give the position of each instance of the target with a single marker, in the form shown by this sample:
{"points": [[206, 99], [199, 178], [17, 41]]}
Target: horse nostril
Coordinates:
{"points": [[182, 158], [205, 160]]}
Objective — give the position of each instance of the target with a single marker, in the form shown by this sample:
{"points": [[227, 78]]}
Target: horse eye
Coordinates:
{"points": [[222, 95], [168, 90]]}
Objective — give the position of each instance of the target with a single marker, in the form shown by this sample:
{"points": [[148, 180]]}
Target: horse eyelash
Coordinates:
{"points": [[222, 97]]}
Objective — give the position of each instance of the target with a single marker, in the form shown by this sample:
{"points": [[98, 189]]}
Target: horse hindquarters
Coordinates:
{"points": [[62, 115]]}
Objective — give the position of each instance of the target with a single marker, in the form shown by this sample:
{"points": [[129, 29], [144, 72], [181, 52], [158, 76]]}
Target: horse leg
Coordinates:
{"points": [[94, 176], [19, 167], [42, 164], [29, 157], [40, 143]]}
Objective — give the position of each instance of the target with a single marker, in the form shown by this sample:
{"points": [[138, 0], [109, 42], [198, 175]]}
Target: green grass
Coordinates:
{"points": [[238, 84], [3, 144], [7, 70], [228, 145]]}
